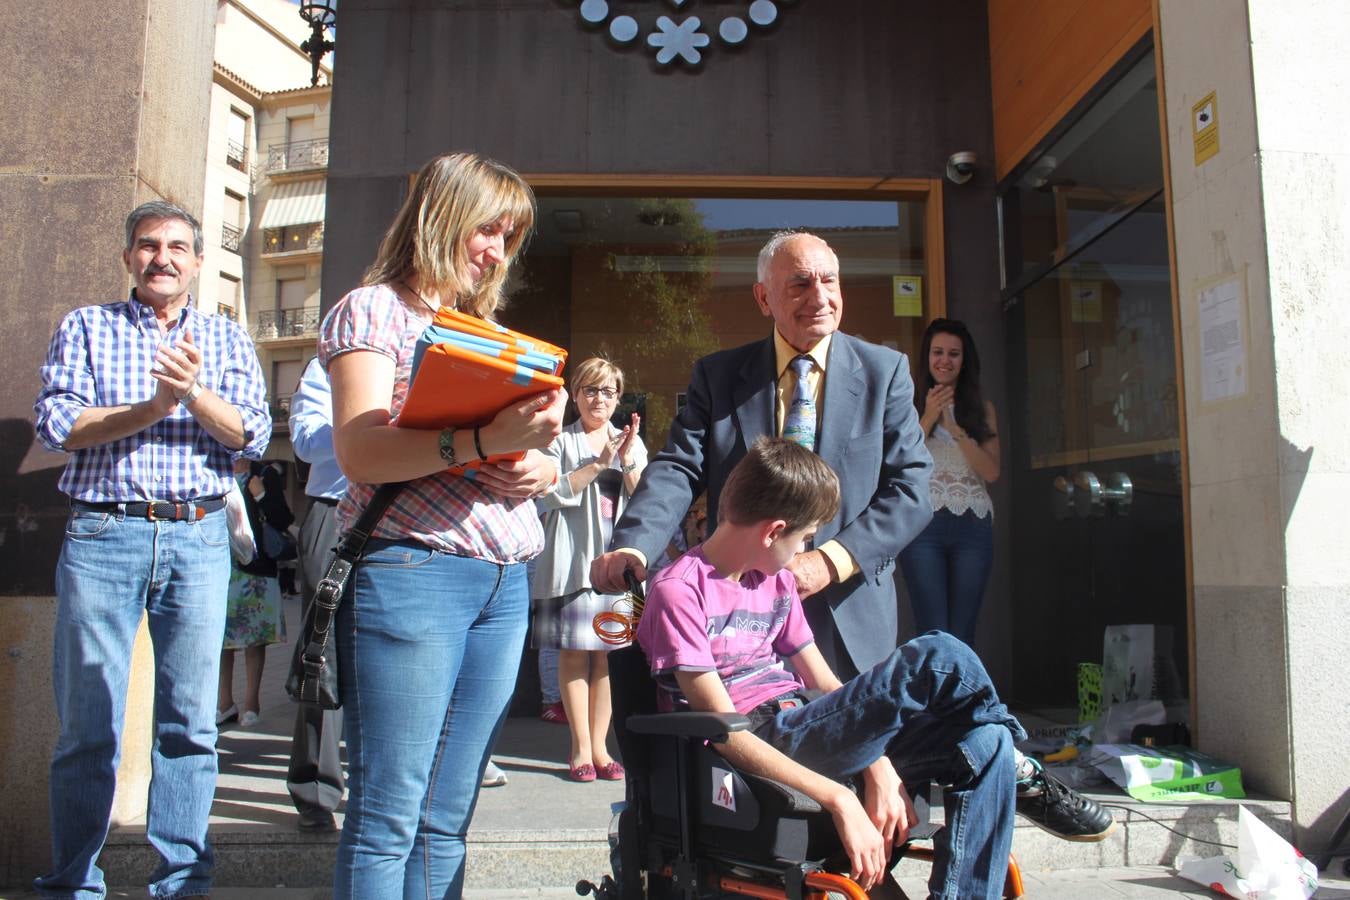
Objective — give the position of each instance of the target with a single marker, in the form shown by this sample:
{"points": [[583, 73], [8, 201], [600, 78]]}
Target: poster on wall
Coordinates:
{"points": [[1223, 350]]}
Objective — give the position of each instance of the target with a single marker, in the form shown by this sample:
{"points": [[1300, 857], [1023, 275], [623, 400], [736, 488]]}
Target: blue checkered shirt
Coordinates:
{"points": [[101, 356]]}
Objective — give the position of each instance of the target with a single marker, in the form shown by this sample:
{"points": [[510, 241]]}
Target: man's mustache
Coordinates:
{"points": [[153, 269]]}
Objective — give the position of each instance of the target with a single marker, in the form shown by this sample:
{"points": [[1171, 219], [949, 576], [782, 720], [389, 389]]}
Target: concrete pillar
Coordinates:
{"points": [[1267, 218], [105, 107]]}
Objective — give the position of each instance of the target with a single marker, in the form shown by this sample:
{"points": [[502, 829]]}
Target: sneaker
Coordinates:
{"points": [[249, 719], [229, 714], [493, 776], [1059, 809], [554, 712]]}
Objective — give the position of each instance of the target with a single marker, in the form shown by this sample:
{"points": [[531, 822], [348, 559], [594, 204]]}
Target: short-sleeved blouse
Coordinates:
{"points": [[446, 512]]}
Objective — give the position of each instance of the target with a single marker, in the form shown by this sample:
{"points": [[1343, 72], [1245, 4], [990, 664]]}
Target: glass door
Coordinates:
{"points": [[1097, 527]]}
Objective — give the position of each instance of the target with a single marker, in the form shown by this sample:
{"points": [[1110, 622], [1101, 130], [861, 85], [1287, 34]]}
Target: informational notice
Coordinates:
{"points": [[1223, 352], [1205, 127], [907, 295]]}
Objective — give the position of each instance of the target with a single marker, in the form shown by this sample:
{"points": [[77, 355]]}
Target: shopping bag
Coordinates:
{"points": [[1137, 664], [1266, 868], [1167, 774]]}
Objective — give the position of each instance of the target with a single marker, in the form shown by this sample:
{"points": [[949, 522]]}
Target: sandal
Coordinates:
{"points": [[610, 771], [583, 772], [554, 713]]}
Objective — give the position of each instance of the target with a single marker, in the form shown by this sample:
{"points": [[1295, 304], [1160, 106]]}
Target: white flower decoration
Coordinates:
{"points": [[681, 40]]}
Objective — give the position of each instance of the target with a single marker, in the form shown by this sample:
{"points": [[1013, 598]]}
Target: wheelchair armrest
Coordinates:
{"points": [[707, 726]]}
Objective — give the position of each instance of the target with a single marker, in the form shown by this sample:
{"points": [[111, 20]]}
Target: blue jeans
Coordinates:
{"points": [[430, 644], [931, 709], [113, 570], [946, 569]]}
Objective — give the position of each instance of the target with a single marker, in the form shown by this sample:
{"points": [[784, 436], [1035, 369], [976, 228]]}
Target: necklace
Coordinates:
{"points": [[418, 294]]}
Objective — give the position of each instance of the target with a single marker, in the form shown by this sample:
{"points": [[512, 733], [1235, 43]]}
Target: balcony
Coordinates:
{"points": [[297, 156], [284, 324], [230, 237], [280, 405], [293, 240], [236, 156]]}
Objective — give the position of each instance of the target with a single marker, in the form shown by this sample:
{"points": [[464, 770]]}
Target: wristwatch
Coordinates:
{"points": [[191, 393], [628, 467], [447, 446]]}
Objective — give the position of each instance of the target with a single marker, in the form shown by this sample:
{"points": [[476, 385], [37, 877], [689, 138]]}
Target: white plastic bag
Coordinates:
{"points": [[1267, 867], [241, 530]]}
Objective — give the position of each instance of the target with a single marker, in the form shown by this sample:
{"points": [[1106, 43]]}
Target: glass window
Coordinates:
{"points": [[657, 282], [1104, 166]]}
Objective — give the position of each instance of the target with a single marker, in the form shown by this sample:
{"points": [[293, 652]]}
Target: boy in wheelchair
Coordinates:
{"points": [[719, 623]]}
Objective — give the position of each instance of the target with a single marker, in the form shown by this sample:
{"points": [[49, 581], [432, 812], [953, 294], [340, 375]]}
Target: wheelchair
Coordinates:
{"points": [[694, 827]]}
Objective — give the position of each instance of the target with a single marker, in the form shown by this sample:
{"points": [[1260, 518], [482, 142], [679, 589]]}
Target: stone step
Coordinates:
{"points": [[531, 859]]}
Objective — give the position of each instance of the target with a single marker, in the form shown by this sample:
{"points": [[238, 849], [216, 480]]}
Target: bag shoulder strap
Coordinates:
{"points": [[353, 543]]}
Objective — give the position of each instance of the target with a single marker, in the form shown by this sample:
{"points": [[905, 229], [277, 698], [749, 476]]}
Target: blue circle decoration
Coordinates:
{"points": [[623, 29], [763, 12], [733, 29], [594, 11]]}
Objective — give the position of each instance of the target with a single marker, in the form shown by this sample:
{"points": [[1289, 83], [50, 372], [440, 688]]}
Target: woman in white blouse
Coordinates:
{"points": [[947, 566], [598, 470]]}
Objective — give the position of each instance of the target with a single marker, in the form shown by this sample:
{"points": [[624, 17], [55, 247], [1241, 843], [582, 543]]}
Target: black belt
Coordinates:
{"points": [[159, 511], [327, 501]]}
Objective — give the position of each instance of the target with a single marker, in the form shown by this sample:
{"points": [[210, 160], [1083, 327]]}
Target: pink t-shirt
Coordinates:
{"points": [[698, 621]]}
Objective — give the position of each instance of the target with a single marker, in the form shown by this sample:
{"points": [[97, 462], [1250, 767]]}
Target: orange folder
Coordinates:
{"points": [[457, 385]]}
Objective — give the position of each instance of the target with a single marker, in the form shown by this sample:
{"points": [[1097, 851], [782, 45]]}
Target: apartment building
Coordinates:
{"points": [[266, 173]]}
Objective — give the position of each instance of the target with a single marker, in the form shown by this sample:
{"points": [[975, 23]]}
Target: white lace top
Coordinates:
{"points": [[954, 486]]}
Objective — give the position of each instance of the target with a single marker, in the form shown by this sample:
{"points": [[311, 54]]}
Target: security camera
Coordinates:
{"points": [[961, 166]]}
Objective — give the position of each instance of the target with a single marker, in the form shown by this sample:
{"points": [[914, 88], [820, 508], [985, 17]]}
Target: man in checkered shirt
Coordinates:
{"points": [[153, 400]]}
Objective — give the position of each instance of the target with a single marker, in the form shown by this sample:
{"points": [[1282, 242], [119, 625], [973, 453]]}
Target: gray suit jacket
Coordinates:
{"points": [[869, 435]]}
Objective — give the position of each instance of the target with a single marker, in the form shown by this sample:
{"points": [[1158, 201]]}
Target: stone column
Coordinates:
{"points": [[105, 107], [1267, 220]]}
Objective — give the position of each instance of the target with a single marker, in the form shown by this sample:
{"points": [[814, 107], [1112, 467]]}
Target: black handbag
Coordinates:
{"points": [[314, 676]]}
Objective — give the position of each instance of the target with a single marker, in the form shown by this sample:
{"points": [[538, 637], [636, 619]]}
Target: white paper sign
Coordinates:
{"points": [[1223, 352]]}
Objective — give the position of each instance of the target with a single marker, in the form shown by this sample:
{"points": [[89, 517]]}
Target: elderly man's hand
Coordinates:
{"points": [[812, 571], [607, 571]]}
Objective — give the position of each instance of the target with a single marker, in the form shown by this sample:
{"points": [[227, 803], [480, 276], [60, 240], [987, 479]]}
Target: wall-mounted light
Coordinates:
{"points": [[321, 15]]}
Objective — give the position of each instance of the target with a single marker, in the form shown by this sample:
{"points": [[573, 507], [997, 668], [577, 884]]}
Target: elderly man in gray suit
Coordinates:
{"points": [[850, 401]]}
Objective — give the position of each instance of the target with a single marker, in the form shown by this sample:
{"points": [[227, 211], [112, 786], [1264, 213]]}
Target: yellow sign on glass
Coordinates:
{"points": [[1205, 127], [907, 295]]}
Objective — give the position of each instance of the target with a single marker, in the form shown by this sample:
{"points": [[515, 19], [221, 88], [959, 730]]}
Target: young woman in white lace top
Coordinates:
{"points": [[947, 566]]}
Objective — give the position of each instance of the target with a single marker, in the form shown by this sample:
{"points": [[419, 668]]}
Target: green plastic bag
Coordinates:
{"points": [[1167, 774]]}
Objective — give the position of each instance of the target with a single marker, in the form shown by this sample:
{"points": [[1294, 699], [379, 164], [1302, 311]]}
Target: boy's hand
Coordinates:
{"points": [[887, 802], [607, 571], [812, 572], [867, 852]]}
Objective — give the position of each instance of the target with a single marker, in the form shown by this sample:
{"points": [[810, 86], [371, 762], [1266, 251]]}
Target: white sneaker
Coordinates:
{"points": [[493, 776], [248, 718], [226, 715]]}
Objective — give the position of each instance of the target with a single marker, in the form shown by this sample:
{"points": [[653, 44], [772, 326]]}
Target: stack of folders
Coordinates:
{"points": [[465, 370]]}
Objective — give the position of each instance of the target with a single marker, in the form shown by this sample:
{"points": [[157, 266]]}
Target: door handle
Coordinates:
{"points": [[1091, 498]]}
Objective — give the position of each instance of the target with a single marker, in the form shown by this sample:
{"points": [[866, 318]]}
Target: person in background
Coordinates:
{"points": [[314, 773], [598, 469], [947, 566], [253, 617], [432, 625], [153, 399]]}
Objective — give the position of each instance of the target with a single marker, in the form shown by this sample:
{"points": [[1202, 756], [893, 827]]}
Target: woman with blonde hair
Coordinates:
{"points": [[598, 470], [431, 628]]}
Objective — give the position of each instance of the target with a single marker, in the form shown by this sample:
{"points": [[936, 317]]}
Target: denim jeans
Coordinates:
{"points": [[931, 709], [430, 644], [112, 570], [946, 569]]}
